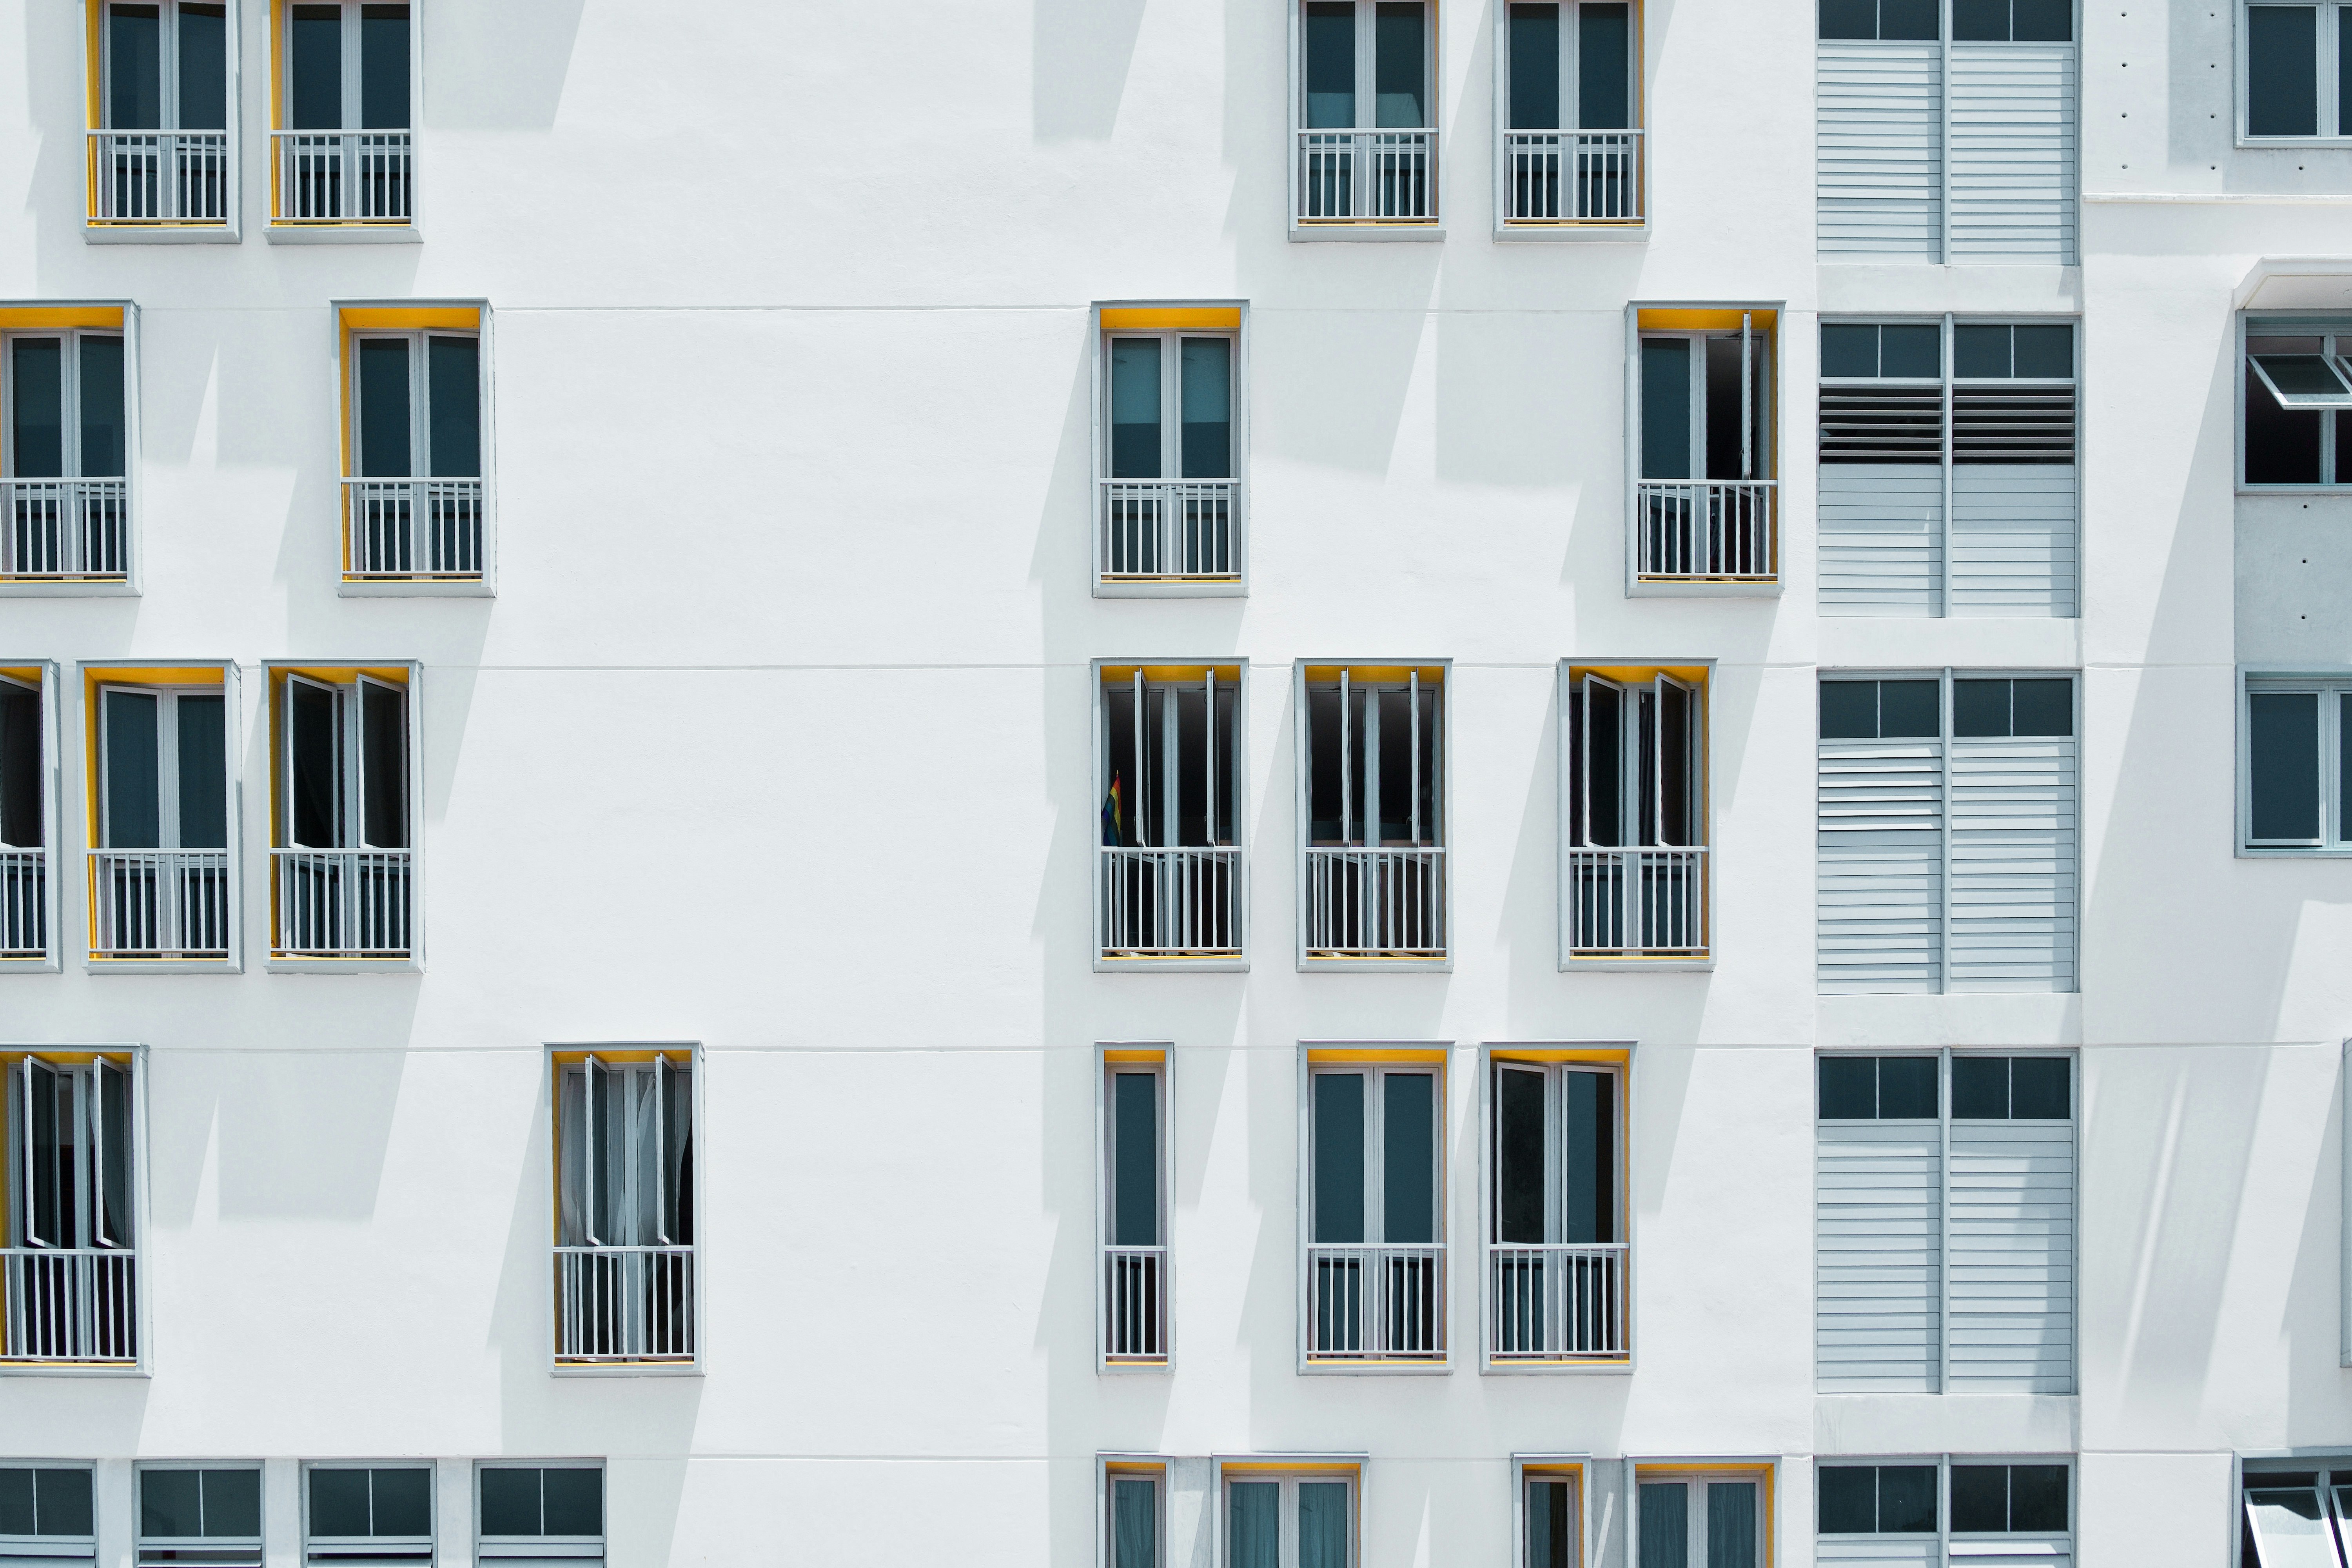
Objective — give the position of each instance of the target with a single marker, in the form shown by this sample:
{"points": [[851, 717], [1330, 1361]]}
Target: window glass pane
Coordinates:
{"points": [[384, 66], [36, 417], [133, 818], [1518, 1155], [2296, 376], [1732, 1524], [2343, 767], [1980, 1086], [510, 1502], [232, 1502], [1330, 63], [2044, 21], [2290, 1530], [1208, 407], [2040, 1089], [1256, 1523], [114, 1171], [313, 746], [1665, 1524], [1907, 1498], [1906, 1087], [16, 1501], [575, 1501], [1848, 18], [314, 45], [1323, 1517], [1974, 21], [2043, 706], [1980, 351], [1551, 1525], [1979, 1492], [1605, 69], [1135, 408], [2045, 352], [62, 1500], [1535, 67], [134, 67], [1848, 709], [1665, 409], [1398, 68], [1849, 1088], [383, 777], [1722, 455], [20, 766], [383, 408], [2282, 444], [1134, 1524], [204, 67], [1588, 1158], [2037, 1493], [101, 407], [1340, 1157], [1980, 708], [677, 1150], [1849, 349], [2281, 71], [170, 1503], [339, 1502], [1409, 1157], [1907, 19], [1135, 1179], [1908, 709], [2282, 764], [203, 773], [1849, 1497], [454, 423], [403, 1500], [1912, 350], [1602, 773], [1674, 773]]}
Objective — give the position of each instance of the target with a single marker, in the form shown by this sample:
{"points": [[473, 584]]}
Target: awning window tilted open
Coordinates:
{"points": [[2305, 380]]}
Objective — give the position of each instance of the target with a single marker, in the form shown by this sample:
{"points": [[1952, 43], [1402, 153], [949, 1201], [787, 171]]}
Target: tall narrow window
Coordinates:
{"points": [[415, 499], [1169, 862], [1704, 499], [1557, 1285], [161, 877], [378, 1516], [1572, 143], [1374, 805], [547, 1514], [1306, 1520], [1634, 874], [343, 153], [1376, 1253], [1134, 1207], [162, 153], [1367, 137], [1169, 465], [71, 1255], [1699, 1521], [1551, 1516], [63, 457], [345, 858], [1134, 1517], [200, 1513], [24, 821], [46, 1515], [625, 1257]]}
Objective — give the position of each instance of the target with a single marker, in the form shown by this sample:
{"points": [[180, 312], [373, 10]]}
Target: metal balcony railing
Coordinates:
{"points": [[66, 528], [1648, 903], [623, 1303], [342, 903], [1368, 176], [413, 528], [343, 176], [1163, 530], [1707, 529], [1135, 1303], [23, 903], [159, 904], [1572, 177], [1171, 904], [1376, 1303], [69, 1304], [1375, 903], [160, 177], [1556, 1303]]}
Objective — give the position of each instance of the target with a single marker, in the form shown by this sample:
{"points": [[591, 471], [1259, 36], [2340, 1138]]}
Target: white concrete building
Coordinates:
{"points": [[1308, 783]]}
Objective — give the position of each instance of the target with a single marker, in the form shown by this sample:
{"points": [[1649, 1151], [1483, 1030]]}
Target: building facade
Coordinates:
{"points": [[1372, 783]]}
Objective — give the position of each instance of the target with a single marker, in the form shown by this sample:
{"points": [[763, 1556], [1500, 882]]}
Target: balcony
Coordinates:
{"points": [[1135, 1303], [23, 903], [159, 903], [1171, 531], [1171, 904], [1556, 1303], [1375, 903], [1699, 531], [1641, 903], [1376, 1303], [623, 1303], [342, 903], [343, 177], [160, 177], [400, 529], [66, 529], [1552, 178], [76, 1305], [1367, 176]]}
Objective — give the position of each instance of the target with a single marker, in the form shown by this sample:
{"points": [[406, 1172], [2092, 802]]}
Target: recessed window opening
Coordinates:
{"points": [[24, 822], [1704, 497], [416, 495], [1572, 144], [1376, 1258], [1551, 1507], [1135, 1213], [163, 151], [344, 153], [1368, 137], [159, 879], [344, 862], [556, 1511], [2298, 405], [200, 1513], [65, 455], [1374, 806], [46, 1512], [1134, 1517], [367, 1516], [1170, 860], [70, 1283], [1637, 862], [1303, 1520], [1685, 1520], [2298, 76], [625, 1243], [1559, 1251]]}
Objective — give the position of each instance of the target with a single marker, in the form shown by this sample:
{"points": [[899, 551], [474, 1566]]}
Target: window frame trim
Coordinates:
{"points": [[96, 110], [2325, 85], [598, 1463], [277, 47], [1289, 1469], [1113, 1466], [1111, 1058], [48, 678], [430, 1541], [1302, 784], [1099, 433], [2253, 679], [1098, 717]]}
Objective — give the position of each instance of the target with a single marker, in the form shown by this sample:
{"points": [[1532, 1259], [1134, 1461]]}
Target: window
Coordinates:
{"points": [[162, 153], [1301, 1519], [554, 1513], [1944, 1239], [1703, 442], [2296, 1514], [1948, 494], [204, 1513], [25, 786], [65, 455], [413, 490], [341, 148], [1375, 1259], [625, 1257], [2297, 80], [1633, 877], [1168, 451], [1135, 1515], [2294, 761], [72, 1244], [163, 873], [344, 862], [1556, 1283], [1898, 179], [1947, 832], [2297, 401], [1134, 1121], [46, 1515], [1367, 114], [1718, 1518], [368, 1516], [1371, 768], [1169, 884], [1551, 1512], [1571, 95], [1988, 1505]]}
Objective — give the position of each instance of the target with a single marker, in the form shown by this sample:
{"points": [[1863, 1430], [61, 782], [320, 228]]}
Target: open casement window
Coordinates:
{"points": [[1135, 1515], [2297, 401], [1948, 481], [2295, 1515], [367, 1516], [1551, 1514], [1944, 1255], [345, 855], [535, 1515], [2295, 751], [1571, 149], [162, 147], [624, 1238], [24, 818], [46, 1516], [1366, 113], [414, 494], [1135, 1206], [1375, 1263], [1557, 1249], [1634, 879], [65, 455], [341, 97], [1720, 1517], [71, 1254], [1304, 1518], [163, 872], [209, 1514], [1704, 447], [2297, 82], [1170, 879], [1374, 808]]}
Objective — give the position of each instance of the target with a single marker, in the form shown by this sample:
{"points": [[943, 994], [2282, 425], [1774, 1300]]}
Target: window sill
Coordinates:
{"points": [[2295, 852], [2285, 492], [1172, 588], [72, 1369], [29, 965], [1678, 964], [343, 234], [415, 588], [626, 1368], [1374, 229], [1587, 231], [1206, 963], [1616, 1367], [1309, 963], [1132, 1364], [97, 233], [1321, 1366], [1704, 588], [97, 965], [279, 963], [68, 588], [2293, 143]]}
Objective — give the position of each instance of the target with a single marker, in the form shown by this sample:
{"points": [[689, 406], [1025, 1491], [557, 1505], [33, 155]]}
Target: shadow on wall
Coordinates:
{"points": [[1079, 56], [2318, 1383], [501, 66]]}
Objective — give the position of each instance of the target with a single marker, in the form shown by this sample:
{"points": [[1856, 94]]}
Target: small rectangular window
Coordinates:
{"points": [[1365, 102], [207, 1513], [1169, 462], [367, 1516], [1135, 1206], [1876, 1500], [1135, 1518], [1699, 1521], [1375, 1256], [46, 1513], [1552, 1515], [1703, 446], [2282, 69], [2295, 757], [1864, 1089], [1306, 1520], [556, 1510]]}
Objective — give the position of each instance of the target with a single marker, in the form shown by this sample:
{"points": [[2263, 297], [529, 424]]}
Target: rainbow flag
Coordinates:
{"points": [[1113, 827]]}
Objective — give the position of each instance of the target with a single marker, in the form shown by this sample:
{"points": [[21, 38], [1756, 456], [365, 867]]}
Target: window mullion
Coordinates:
{"points": [[167, 62], [1368, 68], [353, 72], [1375, 1133], [1570, 96], [1944, 1219], [167, 769]]}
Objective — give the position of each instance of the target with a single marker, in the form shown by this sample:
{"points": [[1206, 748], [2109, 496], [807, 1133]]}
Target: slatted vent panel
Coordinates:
{"points": [[1877, 1257], [1879, 150], [1880, 817], [2016, 513], [2013, 803], [2012, 1219], [2013, 152], [1881, 500], [1892, 1552]]}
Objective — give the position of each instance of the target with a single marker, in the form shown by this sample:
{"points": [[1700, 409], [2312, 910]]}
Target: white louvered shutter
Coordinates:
{"points": [[2014, 1552], [1882, 539], [1878, 1193], [1879, 820], [2013, 152], [2012, 1256], [1878, 153], [2013, 540], [2013, 803], [1886, 1551]]}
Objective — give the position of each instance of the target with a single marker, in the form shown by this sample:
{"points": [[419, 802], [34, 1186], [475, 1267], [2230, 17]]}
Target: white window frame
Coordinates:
{"points": [[1635, 227], [69, 393], [257, 1545], [1277, 1467], [167, 231], [143, 1328], [1766, 337], [1572, 754], [1367, 90], [1765, 1474], [2330, 1469], [1233, 756], [49, 899], [2323, 40], [423, 1547], [128, 582], [348, 805], [345, 231], [1588, 1057], [1944, 1534], [1172, 438], [1163, 1071], [228, 690], [1320, 1058], [1528, 1468], [2330, 689], [2335, 330], [420, 401], [1437, 836], [553, 1548], [420, 584], [51, 1548], [1113, 1468]]}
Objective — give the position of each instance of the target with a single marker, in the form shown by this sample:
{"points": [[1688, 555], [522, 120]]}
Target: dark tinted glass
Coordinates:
{"points": [[2042, 21], [2343, 769], [1849, 349], [384, 66], [36, 394], [1603, 778], [63, 1500], [383, 408], [1207, 398], [575, 1502], [1254, 1524], [2037, 1497], [1848, 18], [204, 67], [1848, 709], [1911, 350], [1849, 1088], [1979, 1497], [312, 745], [315, 67], [1974, 21], [1340, 1157], [1604, 73], [1135, 408], [2282, 444], [1588, 1158], [454, 419], [1535, 67], [1135, 1180], [2281, 71], [509, 1503], [1409, 1157], [204, 774], [1330, 63], [1980, 351], [383, 767], [101, 407], [2039, 1089], [1732, 1524], [2042, 707], [171, 1502], [1980, 1087], [1518, 1155], [1906, 20], [2282, 764], [339, 1502], [1906, 1087], [403, 1500], [2045, 352], [1665, 1524], [1849, 1500], [1134, 1524], [16, 1501], [1665, 409], [232, 1502], [1907, 708], [1398, 49], [1980, 708], [133, 799], [134, 67], [20, 766], [1722, 394], [1552, 1530], [1907, 1498]]}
